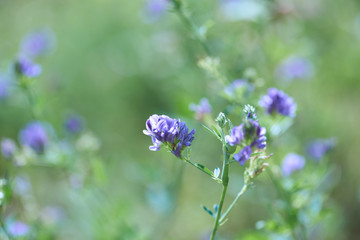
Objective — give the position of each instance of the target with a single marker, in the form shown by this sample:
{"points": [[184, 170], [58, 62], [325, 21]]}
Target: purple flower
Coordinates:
{"points": [[174, 133], [200, 110], [237, 135], [34, 136], [318, 148], [277, 101], [8, 147], [18, 229], [248, 134], [292, 162], [243, 155], [154, 9], [74, 124], [24, 66], [294, 68], [37, 43]]}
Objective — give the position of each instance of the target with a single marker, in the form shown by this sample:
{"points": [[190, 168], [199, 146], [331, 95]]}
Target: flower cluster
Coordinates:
{"points": [[249, 135], [172, 132], [277, 101]]}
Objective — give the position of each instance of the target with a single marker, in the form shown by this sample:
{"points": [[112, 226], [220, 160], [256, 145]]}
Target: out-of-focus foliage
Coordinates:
{"points": [[117, 62]]}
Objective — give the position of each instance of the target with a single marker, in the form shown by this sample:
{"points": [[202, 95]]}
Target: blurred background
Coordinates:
{"points": [[115, 63]]}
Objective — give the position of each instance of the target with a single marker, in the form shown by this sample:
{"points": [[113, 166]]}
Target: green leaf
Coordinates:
{"points": [[211, 131], [230, 125], [205, 169], [216, 131], [207, 210]]}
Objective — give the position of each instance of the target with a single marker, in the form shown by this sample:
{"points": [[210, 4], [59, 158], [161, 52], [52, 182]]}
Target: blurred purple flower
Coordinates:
{"points": [[251, 135], [294, 68], [277, 101], [292, 162], [38, 43], [24, 66], [8, 147], [200, 110], [74, 124], [154, 9], [174, 133], [318, 148], [237, 84], [18, 229], [34, 136]]}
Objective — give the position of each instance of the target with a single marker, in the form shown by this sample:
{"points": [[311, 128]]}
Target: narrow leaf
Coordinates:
{"points": [[207, 210], [205, 169], [211, 131]]}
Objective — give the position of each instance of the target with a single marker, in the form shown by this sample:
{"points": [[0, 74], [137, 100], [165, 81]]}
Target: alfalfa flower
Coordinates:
{"points": [[74, 124], [26, 67], [201, 109], [37, 43], [8, 147], [250, 136], [155, 9], [318, 148], [292, 162], [34, 136], [18, 229], [294, 68], [168, 131], [276, 101]]}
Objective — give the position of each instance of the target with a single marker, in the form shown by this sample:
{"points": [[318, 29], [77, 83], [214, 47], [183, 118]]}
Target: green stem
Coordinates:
{"points": [[192, 26], [243, 190], [225, 182], [24, 84], [217, 220]]}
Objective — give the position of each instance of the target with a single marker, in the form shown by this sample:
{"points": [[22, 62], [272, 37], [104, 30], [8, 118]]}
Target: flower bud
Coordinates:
{"points": [[221, 120]]}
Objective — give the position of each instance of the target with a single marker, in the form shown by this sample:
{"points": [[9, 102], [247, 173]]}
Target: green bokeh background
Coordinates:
{"points": [[115, 70]]}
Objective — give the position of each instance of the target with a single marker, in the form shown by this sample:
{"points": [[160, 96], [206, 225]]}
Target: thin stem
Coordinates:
{"points": [[243, 190], [225, 182], [192, 26], [217, 220], [201, 168]]}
